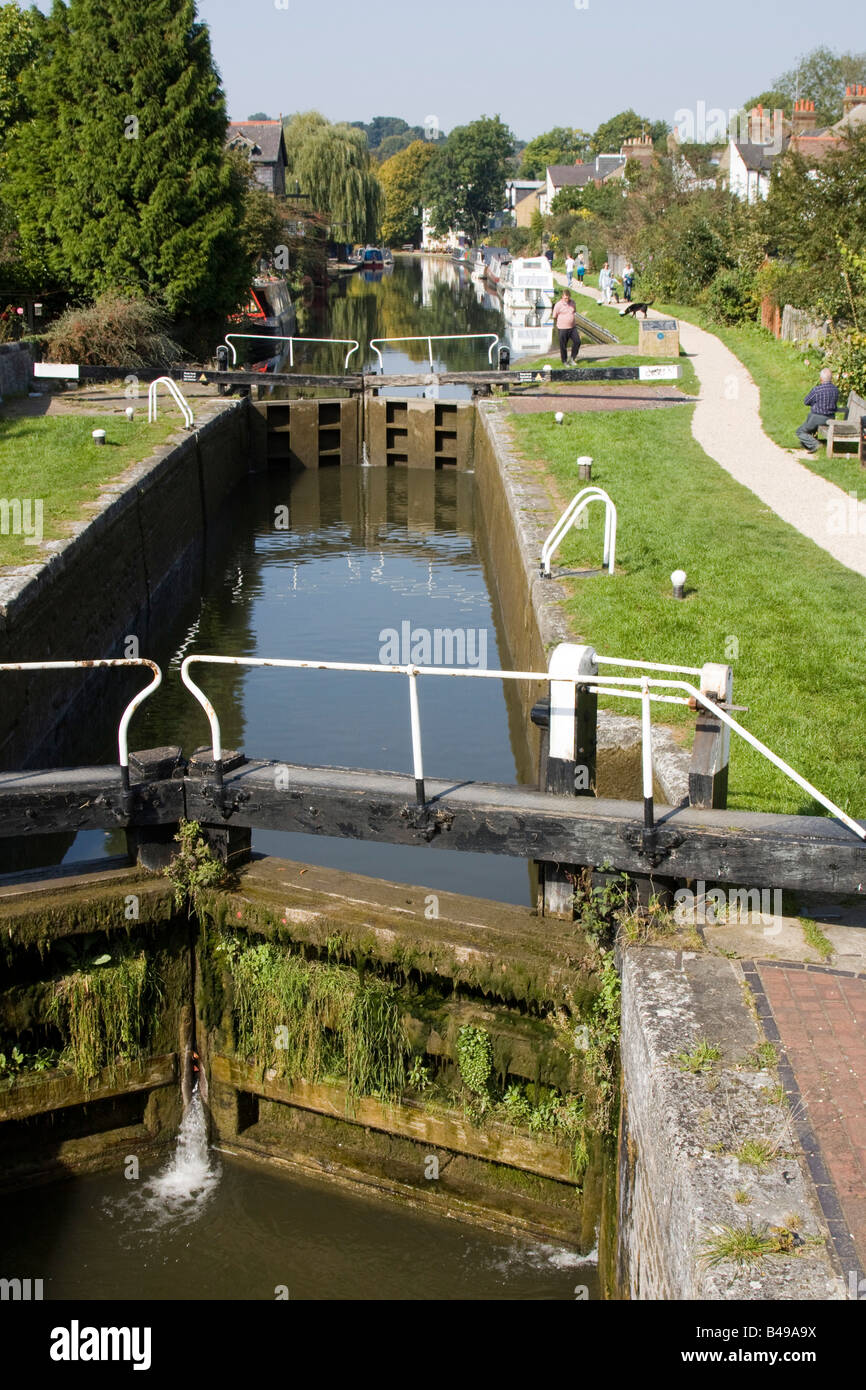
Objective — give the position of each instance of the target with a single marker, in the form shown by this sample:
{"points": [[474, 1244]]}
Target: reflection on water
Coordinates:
{"points": [[367, 551]]}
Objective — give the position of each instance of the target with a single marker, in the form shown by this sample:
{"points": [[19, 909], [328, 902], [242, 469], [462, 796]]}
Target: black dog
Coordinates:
{"points": [[634, 308]]}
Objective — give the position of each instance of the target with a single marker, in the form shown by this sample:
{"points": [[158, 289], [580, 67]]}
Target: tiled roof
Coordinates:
{"points": [[757, 157], [571, 175], [264, 138]]}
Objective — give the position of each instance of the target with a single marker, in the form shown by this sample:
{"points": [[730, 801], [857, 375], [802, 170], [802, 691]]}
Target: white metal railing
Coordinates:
{"points": [[430, 339], [352, 343], [576, 506], [571, 666], [123, 727], [178, 395]]}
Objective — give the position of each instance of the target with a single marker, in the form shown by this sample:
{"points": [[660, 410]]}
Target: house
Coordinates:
{"points": [[561, 176], [264, 144], [746, 169], [521, 200], [747, 162], [746, 165]]}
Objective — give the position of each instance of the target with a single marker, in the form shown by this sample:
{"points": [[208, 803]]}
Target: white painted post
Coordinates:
{"points": [[570, 755], [647, 756], [415, 721]]}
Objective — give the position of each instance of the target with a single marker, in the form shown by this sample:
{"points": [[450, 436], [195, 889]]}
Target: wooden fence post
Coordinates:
{"points": [[708, 772]]}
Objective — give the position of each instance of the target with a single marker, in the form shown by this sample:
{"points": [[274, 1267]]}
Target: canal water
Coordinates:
{"points": [[333, 565], [336, 564], [354, 565], [210, 1225]]}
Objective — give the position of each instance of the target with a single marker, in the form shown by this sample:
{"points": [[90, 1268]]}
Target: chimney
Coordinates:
{"points": [[640, 147], [802, 117], [855, 95], [760, 126]]}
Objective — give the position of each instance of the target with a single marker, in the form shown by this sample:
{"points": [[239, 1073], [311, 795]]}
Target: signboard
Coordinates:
{"points": [[667, 372], [190, 376], [63, 371]]}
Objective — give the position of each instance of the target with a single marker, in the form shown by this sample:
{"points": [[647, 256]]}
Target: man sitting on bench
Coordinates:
{"points": [[823, 402]]}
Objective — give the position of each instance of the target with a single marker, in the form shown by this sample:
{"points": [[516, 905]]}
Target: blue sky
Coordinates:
{"points": [[536, 64]]}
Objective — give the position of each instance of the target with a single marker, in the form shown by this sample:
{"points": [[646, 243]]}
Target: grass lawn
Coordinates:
{"points": [[53, 458], [755, 587]]}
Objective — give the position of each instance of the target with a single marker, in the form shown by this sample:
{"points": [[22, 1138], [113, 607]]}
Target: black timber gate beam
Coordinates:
{"points": [[738, 847], [358, 381]]}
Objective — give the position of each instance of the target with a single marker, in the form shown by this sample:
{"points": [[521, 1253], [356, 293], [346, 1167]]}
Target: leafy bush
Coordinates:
{"points": [[115, 331], [846, 354], [474, 1058], [730, 296]]}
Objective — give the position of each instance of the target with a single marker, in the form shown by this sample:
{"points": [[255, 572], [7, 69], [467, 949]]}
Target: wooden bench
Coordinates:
{"points": [[847, 430]]}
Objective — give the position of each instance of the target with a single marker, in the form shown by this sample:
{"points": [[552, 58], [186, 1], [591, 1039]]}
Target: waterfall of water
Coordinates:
{"points": [[191, 1174], [178, 1193]]}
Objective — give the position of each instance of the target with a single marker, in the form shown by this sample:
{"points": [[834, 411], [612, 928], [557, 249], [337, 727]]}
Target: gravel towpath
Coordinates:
{"points": [[727, 425]]}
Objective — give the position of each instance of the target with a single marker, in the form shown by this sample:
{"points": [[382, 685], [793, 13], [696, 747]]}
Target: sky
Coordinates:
{"points": [[535, 63]]}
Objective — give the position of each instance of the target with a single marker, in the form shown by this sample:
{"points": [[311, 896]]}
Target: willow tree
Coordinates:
{"points": [[119, 179], [332, 165]]}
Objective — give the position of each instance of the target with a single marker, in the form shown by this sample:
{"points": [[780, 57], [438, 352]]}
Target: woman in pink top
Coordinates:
{"points": [[565, 319]]}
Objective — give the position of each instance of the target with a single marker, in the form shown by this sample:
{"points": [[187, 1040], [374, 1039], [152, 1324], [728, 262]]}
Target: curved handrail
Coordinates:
{"points": [[278, 338], [178, 396], [578, 504], [430, 339], [123, 727], [644, 688]]}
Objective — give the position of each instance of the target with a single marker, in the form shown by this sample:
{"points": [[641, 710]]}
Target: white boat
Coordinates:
{"points": [[527, 286], [497, 260]]}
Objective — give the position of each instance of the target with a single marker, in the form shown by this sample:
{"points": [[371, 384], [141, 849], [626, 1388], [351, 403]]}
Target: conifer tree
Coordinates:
{"points": [[120, 179]]}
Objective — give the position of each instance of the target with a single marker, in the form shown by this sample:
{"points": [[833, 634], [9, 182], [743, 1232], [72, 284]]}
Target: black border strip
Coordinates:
{"points": [[843, 1249]]}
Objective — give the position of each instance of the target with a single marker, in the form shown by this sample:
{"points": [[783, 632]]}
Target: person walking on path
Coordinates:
{"points": [[606, 281], [628, 281], [565, 319], [823, 402], [581, 268], [569, 269]]}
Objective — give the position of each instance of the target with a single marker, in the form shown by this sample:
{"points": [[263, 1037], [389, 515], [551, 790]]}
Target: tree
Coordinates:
{"points": [[628, 125], [465, 183], [772, 100], [562, 145], [260, 116], [120, 180], [393, 144], [814, 225], [262, 224], [382, 128], [19, 38], [332, 165], [822, 76], [402, 179]]}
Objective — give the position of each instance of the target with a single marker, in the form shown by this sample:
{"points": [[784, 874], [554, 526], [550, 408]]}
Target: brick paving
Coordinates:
{"points": [[820, 1015]]}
